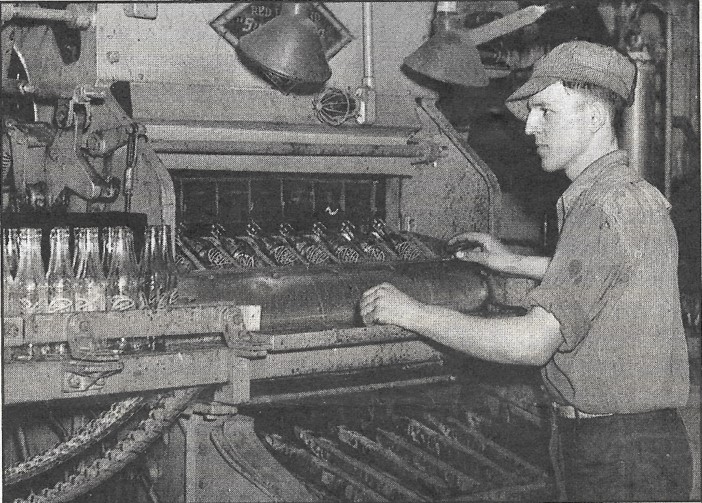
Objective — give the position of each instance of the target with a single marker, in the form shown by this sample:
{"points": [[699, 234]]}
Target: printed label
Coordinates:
{"points": [[121, 303], [60, 305], [94, 303], [29, 307], [217, 258]]}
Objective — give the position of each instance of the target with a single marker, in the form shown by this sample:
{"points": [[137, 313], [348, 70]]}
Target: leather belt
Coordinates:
{"points": [[570, 412]]}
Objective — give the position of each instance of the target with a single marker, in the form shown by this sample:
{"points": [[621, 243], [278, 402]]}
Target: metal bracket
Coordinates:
{"points": [[239, 327], [88, 375], [91, 361]]}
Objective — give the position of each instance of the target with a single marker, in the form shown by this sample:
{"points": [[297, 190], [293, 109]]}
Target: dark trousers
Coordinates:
{"points": [[625, 457]]}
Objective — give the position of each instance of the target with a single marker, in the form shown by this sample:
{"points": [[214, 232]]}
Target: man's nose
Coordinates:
{"points": [[532, 123]]}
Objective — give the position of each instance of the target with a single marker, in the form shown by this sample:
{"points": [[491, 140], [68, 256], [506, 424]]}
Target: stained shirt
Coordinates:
{"points": [[612, 285]]}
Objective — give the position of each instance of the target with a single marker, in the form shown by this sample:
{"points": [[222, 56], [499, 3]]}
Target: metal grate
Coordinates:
{"points": [[421, 448]]}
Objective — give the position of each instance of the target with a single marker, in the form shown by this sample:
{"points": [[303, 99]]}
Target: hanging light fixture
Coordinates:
{"points": [[287, 49], [451, 55]]}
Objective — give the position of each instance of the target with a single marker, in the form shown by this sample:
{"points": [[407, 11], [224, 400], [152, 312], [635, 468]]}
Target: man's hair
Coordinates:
{"points": [[615, 104]]}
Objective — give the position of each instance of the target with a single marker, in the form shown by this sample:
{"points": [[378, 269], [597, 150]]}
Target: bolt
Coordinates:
{"points": [[73, 381], [113, 57]]}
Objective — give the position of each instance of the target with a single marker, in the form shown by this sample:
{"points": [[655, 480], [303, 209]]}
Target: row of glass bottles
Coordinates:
{"points": [[89, 282], [217, 249]]}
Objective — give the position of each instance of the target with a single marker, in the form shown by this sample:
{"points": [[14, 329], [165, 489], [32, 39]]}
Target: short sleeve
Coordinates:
{"points": [[586, 273]]}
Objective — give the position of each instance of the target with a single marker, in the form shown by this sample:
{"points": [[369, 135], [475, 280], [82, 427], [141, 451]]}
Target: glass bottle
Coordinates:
{"points": [[370, 251], [276, 249], [336, 245], [60, 275], [206, 254], [404, 248], [185, 258], [107, 235], [32, 287], [232, 247], [312, 252], [123, 290], [10, 298], [152, 269], [10, 250], [91, 284], [167, 254]]}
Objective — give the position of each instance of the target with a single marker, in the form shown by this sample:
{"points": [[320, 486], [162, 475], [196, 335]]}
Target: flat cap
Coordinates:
{"points": [[577, 61]]}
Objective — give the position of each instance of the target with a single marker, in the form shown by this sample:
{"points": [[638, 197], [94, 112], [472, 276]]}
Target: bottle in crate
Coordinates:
{"points": [[60, 277], [90, 283], [153, 271], [123, 285], [30, 279]]}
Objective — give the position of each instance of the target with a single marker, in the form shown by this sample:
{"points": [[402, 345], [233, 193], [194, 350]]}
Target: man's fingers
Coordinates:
{"points": [[476, 256], [476, 237]]}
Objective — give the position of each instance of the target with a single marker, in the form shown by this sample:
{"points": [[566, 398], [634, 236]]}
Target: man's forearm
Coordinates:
{"points": [[530, 266], [527, 340]]}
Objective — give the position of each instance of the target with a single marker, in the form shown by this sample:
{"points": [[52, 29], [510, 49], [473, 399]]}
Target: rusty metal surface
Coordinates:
{"points": [[420, 151], [201, 319], [41, 381], [342, 359], [282, 343], [295, 299]]}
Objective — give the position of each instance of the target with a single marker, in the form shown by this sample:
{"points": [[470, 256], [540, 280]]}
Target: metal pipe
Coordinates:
{"points": [[73, 20], [366, 93], [289, 148], [668, 164], [294, 397], [368, 72]]}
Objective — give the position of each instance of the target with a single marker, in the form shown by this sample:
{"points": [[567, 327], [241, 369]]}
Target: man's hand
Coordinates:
{"points": [[386, 305], [488, 251], [482, 249]]}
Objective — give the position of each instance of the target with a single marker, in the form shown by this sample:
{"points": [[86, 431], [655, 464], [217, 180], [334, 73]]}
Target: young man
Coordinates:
{"points": [[604, 323]]}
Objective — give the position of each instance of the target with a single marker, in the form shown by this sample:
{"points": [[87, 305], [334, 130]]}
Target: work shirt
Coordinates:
{"points": [[612, 285]]}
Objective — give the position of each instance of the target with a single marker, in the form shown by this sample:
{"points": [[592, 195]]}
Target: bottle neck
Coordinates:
{"points": [[88, 263], [123, 259], [60, 261], [30, 263]]}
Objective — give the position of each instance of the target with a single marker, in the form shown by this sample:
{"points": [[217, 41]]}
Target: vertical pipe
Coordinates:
{"points": [[667, 174], [366, 93], [368, 71], [694, 97]]}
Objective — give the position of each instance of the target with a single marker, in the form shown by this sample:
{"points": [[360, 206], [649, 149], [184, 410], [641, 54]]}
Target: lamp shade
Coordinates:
{"points": [[449, 56], [289, 47]]}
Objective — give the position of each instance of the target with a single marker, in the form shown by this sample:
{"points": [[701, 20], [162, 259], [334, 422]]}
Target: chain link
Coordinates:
{"points": [[167, 409]]}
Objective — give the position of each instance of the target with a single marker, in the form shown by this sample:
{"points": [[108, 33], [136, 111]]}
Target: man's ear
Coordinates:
{"points": [[598, 115]]}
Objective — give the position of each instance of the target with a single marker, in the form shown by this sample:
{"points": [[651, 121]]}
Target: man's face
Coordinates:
{"points": [[557, 120]]}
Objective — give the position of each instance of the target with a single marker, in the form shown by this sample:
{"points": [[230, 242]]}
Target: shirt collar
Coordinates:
{"points": [[614, 166]]}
